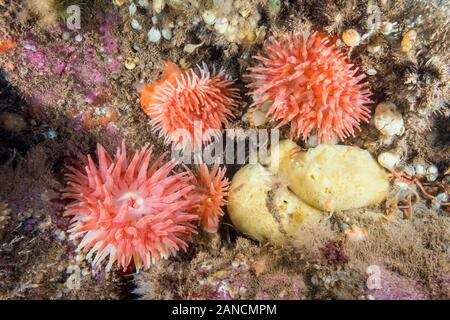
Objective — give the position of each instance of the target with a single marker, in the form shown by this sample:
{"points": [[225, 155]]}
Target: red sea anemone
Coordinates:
{"points": [[310, 85], [129, 210], [209, 193], [187, 108]]}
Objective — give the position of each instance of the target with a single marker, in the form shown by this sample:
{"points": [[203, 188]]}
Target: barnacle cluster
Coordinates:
{"points": [[237, 20]]}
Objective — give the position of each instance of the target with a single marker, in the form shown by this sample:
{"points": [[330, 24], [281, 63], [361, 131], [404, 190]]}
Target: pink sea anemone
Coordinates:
{"points": [[129, 210], [189, 108], [311, 86], [211, 188]]}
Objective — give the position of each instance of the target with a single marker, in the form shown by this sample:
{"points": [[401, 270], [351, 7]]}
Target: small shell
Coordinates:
{"points": [[143, 3], [389, 160], [420, 170], [257, 118], [119, 2], [228, 7], [65, 35], [249, 36], [432, 173], [158, 5], [154, 35], [184, 64], [371, 72], [136, 47], [189, 48], [79, 38], [387, 28], [135, 24], [130, 63], [351, 37], [61, 235], [231, 33], [312, 141], [440, 198], [209, 17], [245, 11], [167, 33]]}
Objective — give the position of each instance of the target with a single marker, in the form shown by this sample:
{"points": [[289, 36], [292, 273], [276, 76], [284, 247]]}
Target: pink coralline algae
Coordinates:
{"points": [[84, 65], [47, 60], [393, 286], [281, 286]]}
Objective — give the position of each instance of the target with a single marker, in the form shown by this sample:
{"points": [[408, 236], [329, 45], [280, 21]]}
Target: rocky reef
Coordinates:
{"points": [[350, 201]]}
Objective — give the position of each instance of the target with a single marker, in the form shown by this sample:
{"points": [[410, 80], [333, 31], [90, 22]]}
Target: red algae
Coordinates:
{"points": [[311, 86], [129, 210], [182, 103]]}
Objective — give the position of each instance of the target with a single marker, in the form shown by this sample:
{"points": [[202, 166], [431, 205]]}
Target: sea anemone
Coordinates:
{"points": [[187, 108], [310, 85], [211, 187], [129, 209]]}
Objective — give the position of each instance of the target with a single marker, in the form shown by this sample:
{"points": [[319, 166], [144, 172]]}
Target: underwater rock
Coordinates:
{"points": [[351, 37]]}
